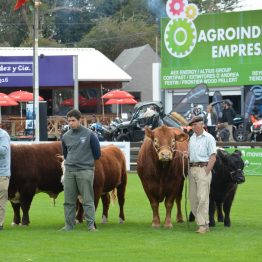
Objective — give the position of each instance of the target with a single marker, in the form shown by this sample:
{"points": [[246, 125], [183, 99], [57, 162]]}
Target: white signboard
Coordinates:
{"points": [[124, 146]]}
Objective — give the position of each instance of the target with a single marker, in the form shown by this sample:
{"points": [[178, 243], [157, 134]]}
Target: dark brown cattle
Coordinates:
{"points": [[34, 168], [161, 166], [110, 173]]}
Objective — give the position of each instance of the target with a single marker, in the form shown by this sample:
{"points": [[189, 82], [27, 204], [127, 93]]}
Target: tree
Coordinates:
{"points": [[42, 42], [13, 28], [111, 36], [69, 21], [216, 6]]}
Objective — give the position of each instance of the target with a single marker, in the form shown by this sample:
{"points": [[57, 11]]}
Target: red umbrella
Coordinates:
{"points": [[121, 101], [89, 102], [116, 94], [70, 101], [23, 96], [5, 100]]}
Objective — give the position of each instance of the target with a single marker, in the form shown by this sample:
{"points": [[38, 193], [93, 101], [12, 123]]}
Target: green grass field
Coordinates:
{"points": [[135, 240]]}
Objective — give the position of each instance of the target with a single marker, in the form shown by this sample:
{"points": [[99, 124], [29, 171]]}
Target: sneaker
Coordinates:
{"points": [[65, 229], [202, 230]]}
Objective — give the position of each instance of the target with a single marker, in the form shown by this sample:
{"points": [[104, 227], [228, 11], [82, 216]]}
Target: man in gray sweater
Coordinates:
{"points": [[5, 160], [80, 149]]}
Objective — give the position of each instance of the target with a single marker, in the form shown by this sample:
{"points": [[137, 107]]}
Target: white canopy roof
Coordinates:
{"points": [[92, 64]]}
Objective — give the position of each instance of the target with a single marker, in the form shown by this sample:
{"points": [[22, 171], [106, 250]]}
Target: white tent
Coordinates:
{"points": [[92, 64]]}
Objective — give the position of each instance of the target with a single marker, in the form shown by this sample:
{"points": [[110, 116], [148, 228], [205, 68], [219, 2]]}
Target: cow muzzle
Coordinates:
{"points": [[237, 176], [165, 155]]}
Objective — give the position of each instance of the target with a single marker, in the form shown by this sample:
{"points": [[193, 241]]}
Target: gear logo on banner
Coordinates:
{"points": [[180, 33]]}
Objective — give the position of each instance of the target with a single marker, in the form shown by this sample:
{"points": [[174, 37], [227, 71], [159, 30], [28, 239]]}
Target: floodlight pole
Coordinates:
{"points": [[36, 71]]}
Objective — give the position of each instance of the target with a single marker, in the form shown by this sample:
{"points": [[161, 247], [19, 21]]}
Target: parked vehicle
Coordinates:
{"points": [[133, 130], [98, 129], [240, 128]]}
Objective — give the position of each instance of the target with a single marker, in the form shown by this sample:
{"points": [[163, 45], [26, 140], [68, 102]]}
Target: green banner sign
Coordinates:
{"points": [[215, 49], [252, 158]]}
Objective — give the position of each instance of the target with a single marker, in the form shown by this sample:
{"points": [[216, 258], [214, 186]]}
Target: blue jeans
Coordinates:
{"points": [[75, 183]]}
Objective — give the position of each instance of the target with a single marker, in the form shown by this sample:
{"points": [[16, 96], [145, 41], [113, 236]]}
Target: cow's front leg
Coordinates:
{"points": [[179, 216], [17, 217], [227, 208], [212, 208], [25, 206], [155, 209], [168, 220], [220, 216]]}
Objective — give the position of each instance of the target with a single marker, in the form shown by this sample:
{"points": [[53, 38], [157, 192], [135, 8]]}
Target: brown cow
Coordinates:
{"points": [[34, 168], [161, 166], [110, 173]]}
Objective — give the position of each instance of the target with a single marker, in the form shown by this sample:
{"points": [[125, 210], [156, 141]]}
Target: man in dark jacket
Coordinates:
{"points": [[228, 115], [80, 149]]}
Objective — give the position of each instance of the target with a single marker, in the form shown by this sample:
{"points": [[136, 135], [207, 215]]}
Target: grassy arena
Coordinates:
{"points": [[136, 240]]}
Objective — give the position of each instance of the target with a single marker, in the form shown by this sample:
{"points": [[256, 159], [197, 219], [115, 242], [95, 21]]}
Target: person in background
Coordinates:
{"points": [[255, 116], [80, 149], [5, 172], [228, 115], [210, 121], [202, 157], [93, 119], [222, 133]]}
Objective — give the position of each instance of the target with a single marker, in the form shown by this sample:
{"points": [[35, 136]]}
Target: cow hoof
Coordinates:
{"points": [[104, 220], [154, 225], [13, 224], [180, 220], [77, 221], [121, 221]]}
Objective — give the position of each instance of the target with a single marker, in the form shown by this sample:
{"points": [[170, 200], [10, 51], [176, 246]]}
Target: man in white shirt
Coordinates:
{"points": [[202, 157]]}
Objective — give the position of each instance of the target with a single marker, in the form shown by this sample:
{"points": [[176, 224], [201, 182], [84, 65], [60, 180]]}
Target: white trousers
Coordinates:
{"points": [[199, 188]]}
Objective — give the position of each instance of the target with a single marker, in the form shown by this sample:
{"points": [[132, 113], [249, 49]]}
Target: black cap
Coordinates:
{"points": [[196, 119]]}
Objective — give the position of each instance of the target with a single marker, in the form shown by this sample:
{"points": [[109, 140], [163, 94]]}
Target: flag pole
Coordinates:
{"points": [[37, 3]]}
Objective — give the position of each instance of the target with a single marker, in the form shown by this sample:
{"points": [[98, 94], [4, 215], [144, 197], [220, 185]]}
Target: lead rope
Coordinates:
{"points": [[185, 155]]}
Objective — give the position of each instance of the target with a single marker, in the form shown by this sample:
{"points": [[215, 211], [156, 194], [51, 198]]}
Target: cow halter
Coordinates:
{"points": [[157, 149]]}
